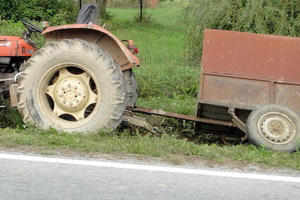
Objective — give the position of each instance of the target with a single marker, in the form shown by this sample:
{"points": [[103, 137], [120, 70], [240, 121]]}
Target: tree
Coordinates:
{"points": [[143, 16], [7, 9]]}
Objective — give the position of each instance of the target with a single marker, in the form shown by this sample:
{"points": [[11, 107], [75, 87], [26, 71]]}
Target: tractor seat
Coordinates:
{"points": [[87, 14]]}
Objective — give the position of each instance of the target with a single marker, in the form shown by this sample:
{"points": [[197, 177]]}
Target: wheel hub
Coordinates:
{"points": [[71, 94], [276, 128]]}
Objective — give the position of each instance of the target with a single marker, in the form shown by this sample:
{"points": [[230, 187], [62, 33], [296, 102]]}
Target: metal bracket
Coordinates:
{"points": [[13, 95], [6, 79], [236, 121]]}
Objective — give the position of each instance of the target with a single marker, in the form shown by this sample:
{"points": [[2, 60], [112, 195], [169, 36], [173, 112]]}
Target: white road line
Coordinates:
{"points": [[150, 168]]}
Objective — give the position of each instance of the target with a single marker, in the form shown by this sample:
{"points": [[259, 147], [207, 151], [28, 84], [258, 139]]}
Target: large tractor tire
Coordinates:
{"points": [[73, 86], [274, 127], [131, 87]]}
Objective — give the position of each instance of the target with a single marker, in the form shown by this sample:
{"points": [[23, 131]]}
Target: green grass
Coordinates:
{"points": [[164, 79], [165, 82], [168, 147]]}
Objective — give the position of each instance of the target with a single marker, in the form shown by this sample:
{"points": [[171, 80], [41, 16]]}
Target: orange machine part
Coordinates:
{"points": [[98, 35], [13, 46]]}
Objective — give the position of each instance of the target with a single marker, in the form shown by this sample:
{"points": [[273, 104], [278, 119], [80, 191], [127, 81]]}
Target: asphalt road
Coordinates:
{"points": [[32, 177]]}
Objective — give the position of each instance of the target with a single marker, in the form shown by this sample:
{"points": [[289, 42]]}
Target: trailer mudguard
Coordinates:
{"points": [[95, 34]]}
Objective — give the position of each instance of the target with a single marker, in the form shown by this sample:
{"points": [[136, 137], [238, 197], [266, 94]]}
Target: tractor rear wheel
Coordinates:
{"points": [[73, 86]]}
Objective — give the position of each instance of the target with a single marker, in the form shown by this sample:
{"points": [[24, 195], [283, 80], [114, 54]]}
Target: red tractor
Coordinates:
{"points": [[81, 80]]}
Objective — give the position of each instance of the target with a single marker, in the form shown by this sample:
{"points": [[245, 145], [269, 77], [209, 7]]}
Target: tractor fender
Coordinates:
{"points": [[94, 34]]}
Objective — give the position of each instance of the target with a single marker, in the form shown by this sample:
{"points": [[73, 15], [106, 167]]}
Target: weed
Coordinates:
{"points": [[10, 117], [144, 17]]}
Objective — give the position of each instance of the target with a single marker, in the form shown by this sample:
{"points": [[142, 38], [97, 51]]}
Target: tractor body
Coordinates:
{"points": [[13, 51]]}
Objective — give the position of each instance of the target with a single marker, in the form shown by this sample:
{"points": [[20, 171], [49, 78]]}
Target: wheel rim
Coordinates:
{"points": [[276, 128], [69, 93]]}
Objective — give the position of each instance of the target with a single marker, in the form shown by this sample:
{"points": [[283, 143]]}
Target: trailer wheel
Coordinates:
{"points": [[73, 86], [274, 127], [131, 87]]}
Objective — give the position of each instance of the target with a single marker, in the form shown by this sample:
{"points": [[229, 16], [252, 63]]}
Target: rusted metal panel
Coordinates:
{"points": [[246, 70], [234, 92], [288, 95], [265, 57], [243, 71]]}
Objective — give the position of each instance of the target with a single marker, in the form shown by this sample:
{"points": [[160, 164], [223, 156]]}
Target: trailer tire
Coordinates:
{"points": [[274, 127], [74, 86], [131, 87]]}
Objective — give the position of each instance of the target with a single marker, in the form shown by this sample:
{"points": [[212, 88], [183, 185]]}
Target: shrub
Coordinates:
{"points": [[54, 11], [256, 16]]}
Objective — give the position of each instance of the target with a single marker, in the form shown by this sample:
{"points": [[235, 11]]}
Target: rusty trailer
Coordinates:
{"points": [[249, 87]]}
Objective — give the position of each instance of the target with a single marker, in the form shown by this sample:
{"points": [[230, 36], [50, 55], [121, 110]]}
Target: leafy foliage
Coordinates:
{"points": [[280, 17], [54, 11]]}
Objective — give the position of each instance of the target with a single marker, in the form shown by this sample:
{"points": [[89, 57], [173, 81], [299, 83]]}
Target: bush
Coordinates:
{"points": [[54, 11], [256, 16]]}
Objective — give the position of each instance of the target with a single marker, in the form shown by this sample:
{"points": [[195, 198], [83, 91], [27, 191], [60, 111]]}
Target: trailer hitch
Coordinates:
{"points": [[130, 118]]}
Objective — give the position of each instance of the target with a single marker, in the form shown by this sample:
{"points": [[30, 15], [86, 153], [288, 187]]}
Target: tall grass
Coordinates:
{"points": [[257, 16]]}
